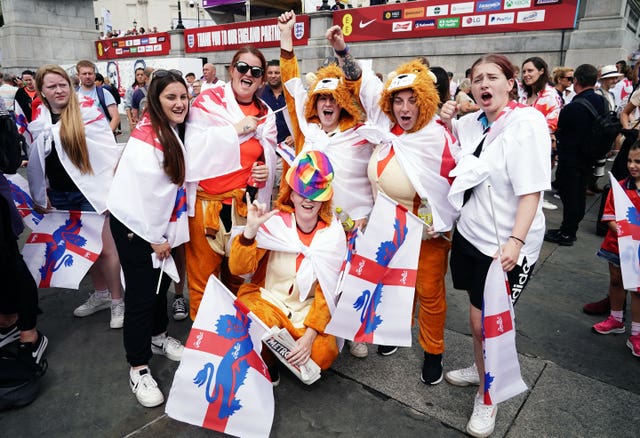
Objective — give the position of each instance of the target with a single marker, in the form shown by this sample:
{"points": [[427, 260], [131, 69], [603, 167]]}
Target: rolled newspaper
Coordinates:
{"points": [[281, 343]]}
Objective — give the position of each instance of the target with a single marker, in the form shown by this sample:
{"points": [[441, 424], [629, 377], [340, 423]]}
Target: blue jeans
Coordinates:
{"points": [[69, 200]]}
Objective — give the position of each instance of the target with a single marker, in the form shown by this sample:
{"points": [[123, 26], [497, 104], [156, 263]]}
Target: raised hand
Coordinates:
{"points": [[257, 214]]}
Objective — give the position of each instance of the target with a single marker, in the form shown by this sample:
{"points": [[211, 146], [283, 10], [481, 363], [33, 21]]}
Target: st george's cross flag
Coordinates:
{"points": [[62, 248], [222, 383], [502, 378], [22, 200], [628, 222], [376, 302]]}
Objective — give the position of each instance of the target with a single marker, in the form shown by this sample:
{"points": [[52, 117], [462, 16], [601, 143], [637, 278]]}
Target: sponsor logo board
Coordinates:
{"points": [[474, 20], [436, 10], [462, 8], [401, 26], [531, 16], [504, 18], [517, 4], [448, 23], [421, 24], [488, 5]]}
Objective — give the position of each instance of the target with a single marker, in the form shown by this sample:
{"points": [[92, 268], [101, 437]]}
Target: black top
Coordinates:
{"points": [[574, 128], [58, 177], [277, 103]]}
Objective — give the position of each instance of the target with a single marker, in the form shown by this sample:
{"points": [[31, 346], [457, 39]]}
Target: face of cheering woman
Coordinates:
{"points": [[174, 100], [490, 87], [247, 75]]}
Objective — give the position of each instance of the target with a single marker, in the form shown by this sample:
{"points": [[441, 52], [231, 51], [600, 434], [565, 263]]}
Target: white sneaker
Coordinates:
{"points": [[358, 349], [145, 388], [483, 419], [179, 308], [464, 376], [548, 205], [167, 346], [117, 315], [94, 304]]}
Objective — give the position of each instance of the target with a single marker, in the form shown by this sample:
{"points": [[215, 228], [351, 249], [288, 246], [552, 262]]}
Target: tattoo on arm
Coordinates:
{"points": [[351, 69]]}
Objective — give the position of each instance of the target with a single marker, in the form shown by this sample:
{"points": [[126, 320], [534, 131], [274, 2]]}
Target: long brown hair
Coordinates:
{"points": [[72, 135], [173, 164]]}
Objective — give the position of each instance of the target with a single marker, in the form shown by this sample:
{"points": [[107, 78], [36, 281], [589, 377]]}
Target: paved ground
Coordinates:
{"points": [[581, 384]]}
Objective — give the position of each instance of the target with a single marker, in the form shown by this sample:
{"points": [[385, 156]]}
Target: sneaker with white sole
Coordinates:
{"points": [[144, 386], [608, 326], [179, 308], [464, 376], [33, 352], [117, 315], [358, 349], [548, 205], [9, 335], [167, 346], [483, 419], [94, 304], [634, 344]]}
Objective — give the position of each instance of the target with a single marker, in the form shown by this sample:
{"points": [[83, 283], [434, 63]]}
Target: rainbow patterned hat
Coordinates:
{"points": [[311, 176]]}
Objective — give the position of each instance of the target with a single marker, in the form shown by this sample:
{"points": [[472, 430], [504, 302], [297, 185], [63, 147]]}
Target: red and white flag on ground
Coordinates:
{"points": [[62, 248], [502, 378], [628, 221], [377, 292], [222, 383], [22, 200]]}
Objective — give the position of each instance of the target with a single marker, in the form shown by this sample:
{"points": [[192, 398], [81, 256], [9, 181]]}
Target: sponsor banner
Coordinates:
{"points": [[454, 17], [157, 44], [257, 33]]}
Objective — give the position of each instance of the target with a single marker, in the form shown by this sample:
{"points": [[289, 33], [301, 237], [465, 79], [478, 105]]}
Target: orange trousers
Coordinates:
{"points": [[324, 350], [202, 261], [431, 294]]}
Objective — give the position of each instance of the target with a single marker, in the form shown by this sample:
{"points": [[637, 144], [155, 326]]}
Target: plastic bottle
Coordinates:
{"points": [[424, 212], [347, 223]]}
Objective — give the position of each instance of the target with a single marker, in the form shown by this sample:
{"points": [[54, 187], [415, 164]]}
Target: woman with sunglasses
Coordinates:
{"points": [[230, 117], [71, 164], [148, 209]]}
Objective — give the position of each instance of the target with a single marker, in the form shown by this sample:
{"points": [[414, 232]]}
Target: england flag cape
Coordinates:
{"points": [[222, 383], [143, 197], [22, 123], [426, 156], [22, 200], [322, 259], [348, 152], [212, 142], [104, 154], [628, 222]]}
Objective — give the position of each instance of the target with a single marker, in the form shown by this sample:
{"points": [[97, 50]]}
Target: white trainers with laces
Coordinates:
{"points": [[358, 349], [117, 315], [167, 346], [94, 304], [145, 388], [548, 205], [464, 376], [483, 419]]}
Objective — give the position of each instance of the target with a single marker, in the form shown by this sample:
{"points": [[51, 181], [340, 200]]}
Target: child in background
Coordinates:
{"points": [[610, 252]]}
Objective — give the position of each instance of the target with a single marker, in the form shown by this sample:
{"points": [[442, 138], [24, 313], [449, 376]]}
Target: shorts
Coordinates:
{"points": [[469, 268], [69, 201], [609, 256]]}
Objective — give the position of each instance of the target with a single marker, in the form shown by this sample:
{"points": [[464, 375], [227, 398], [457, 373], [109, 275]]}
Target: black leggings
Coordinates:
{"points": [[145, 313], [19, 293]]}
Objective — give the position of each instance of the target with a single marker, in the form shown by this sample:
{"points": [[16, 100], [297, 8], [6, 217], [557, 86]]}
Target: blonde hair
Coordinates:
{"points": [[72, 134]]}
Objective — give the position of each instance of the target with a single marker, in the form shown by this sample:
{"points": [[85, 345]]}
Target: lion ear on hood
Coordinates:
{"points": [[391, 75], [310, 77], [432, 76]]}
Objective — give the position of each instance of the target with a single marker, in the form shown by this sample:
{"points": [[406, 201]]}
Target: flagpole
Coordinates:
{"points": [[495, 222], [274, 112], [160, 278], [60, 211]]}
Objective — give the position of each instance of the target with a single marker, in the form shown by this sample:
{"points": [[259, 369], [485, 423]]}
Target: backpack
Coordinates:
{"points": [[19, 382], [103, 103], [605, 129], [11, 143]]}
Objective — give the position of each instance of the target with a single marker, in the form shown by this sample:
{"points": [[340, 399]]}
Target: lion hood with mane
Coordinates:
{"points": [[331, 80], [415, 76]]}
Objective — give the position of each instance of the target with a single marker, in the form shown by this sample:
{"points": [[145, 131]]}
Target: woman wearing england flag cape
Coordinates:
{"points": [[411, 165], [75, 153], [229, 117], [504, 166], [295, 255], [148, 219]]}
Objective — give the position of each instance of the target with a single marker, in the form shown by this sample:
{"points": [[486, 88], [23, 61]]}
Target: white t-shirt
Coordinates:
{"points": [[518, 159], [93, 94]]}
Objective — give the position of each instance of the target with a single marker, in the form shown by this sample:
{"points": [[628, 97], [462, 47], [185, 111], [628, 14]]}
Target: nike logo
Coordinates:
{"points": [[363, 25]]}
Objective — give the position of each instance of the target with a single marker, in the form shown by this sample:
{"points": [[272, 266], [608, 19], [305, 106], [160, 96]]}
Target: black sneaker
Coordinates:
{"points": [[274, 373], [32, 352], [431, 369], [386, 350], [9, 335], [556, 236]]}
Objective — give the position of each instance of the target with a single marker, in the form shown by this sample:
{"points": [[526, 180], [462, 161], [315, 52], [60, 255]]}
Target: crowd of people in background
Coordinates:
{"points": [[494, 140]]}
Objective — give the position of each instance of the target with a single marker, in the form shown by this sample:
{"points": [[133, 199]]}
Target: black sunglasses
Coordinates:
{"points": [[243, 67], [569, 78], [161, 73]]}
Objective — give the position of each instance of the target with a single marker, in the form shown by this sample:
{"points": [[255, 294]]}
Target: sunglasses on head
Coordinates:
{"points": [[243, 67], [161, 73]]}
